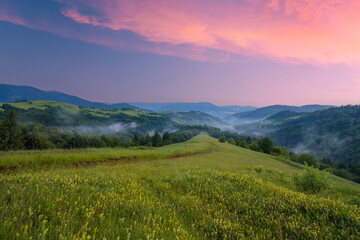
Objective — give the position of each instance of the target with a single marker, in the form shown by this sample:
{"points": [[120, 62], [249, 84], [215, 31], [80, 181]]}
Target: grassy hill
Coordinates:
{"points": [[52, 113], [13, 93], [199, 189]]}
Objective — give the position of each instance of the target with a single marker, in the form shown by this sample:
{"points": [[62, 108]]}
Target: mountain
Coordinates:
{"points": [[331, 133], [53, 114], [205, 107], [262, 113], [12, 93]]}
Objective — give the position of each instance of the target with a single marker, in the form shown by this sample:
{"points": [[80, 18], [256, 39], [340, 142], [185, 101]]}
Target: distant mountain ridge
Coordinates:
{"points": [[205, 107], [262, 113], [12, 93]]}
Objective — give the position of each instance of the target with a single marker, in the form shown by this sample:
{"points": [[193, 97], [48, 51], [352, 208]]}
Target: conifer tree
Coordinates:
{"points": [[136, 140], [10, 134], [157, 140], [148, 140], [167, 138]]}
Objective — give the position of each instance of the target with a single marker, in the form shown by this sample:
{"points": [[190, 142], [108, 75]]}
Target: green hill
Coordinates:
{"points": [[333, 133], [264, 112], [13, 93], [52, 113], [199, 189]]}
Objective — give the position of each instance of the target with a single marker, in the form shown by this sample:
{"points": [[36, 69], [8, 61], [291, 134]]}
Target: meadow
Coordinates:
{"points": [[199, 189]]}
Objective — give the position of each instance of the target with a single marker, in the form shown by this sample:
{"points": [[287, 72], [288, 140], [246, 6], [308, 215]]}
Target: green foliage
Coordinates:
{"points": [[254, 146], [266, 145], [136, 140], [148, 140], [334, 133], [10, 134], [157, 140], [308, 159], [277, 151], [312, 180], [167, 138], [222, 139]]}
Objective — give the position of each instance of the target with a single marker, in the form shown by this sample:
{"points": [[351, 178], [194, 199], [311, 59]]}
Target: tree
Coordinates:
{"points": [[243, 144], [309, 159], [167, 138], [96, 142], [10, 134], [254, 146], [231, 141], [148, 140], [277, 151], [266, 145], [136, 140], [157, 140], [222, 139], [34, 138]]}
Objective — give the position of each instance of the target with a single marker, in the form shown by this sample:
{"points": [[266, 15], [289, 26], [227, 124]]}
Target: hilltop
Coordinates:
{"points": [[205, 107], [51, 113], [13, 93], [264, 112]]}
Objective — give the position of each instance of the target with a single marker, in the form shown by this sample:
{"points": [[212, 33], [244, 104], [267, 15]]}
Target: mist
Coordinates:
{"points": [[104, 130]]}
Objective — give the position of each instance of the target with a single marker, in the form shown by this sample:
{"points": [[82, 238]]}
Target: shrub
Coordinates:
{"points": [[254, 146], [222, 139], [308, 159], [231, 141], [312, 180], [277, 151]]}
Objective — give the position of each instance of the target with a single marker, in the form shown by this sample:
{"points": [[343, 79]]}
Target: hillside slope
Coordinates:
{"points": [[52, 113], [332, 133], [12, 93], [262, 113], [205, 107], [214, 191]]}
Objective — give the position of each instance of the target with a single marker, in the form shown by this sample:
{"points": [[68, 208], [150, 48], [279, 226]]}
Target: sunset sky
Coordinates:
{"points": [[228, 52]]}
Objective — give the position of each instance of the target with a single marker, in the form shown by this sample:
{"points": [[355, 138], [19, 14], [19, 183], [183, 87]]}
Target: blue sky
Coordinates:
{"points": [[90, 51]]}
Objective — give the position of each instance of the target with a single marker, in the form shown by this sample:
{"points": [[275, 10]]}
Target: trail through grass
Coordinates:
{"points": [[229, 193]]}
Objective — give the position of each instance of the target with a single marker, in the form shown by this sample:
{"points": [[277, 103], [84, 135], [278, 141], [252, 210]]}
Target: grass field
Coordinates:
{"points": [[200, 189]]}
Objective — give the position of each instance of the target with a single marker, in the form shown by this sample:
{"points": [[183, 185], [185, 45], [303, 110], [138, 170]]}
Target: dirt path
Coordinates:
{"points": [[121, 160], [289, 164], [135, 159]]}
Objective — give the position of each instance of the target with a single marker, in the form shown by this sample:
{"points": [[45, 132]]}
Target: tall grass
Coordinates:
{"points": [[231, 193], [53, 158]]}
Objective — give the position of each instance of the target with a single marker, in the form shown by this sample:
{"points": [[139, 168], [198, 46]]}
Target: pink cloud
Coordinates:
{"points": [[311, 31]]}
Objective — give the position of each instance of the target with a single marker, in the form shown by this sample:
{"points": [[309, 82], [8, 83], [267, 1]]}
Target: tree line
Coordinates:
{"points": [[36, 136], [266, 145]]}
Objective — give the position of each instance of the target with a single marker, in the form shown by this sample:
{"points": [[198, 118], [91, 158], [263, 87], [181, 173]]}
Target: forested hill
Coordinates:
{"points": [[13, 93], [262, 113], [50, 113], [333, 133]]}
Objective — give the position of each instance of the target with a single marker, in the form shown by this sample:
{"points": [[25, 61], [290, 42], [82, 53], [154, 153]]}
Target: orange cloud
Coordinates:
{"points": [[312, 31]]}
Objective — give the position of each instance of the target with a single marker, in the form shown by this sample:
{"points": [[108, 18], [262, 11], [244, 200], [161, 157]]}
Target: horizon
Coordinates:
{"points": [[172, 102], [298, 53]]}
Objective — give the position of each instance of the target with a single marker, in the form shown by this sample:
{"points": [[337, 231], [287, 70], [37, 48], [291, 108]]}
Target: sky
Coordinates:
{"points": [[228, 52]]}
